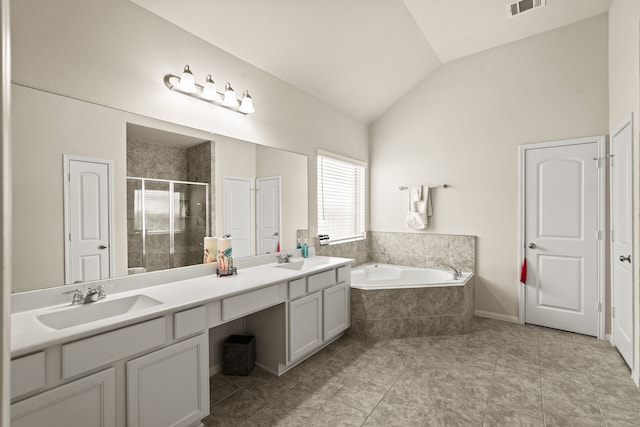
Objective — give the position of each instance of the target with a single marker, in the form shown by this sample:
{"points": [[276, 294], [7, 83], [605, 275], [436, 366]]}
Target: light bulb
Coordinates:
{"points": [[209, 91], [187, 83], [246, 106], [230, 99]]}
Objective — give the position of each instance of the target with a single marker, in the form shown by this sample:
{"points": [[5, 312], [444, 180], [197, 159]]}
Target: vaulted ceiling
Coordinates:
{"points": [[362, 56]]}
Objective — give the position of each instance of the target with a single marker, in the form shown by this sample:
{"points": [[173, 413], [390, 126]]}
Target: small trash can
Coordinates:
{"points": [[239, 355]]}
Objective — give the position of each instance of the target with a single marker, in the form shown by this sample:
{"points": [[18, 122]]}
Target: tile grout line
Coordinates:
{"points": [[379, 402], [593, 391]]}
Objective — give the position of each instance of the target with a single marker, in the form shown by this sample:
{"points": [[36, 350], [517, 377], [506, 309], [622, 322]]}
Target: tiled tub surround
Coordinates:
{"points": [[410, 249], [412, 312], [423, 249]]}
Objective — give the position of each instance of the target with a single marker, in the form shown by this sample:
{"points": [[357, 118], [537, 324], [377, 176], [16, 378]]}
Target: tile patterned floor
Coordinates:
{"points": [[500, 374]]}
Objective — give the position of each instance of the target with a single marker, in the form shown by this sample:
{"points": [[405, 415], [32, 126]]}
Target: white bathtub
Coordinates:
{"points": [[387, 276]]}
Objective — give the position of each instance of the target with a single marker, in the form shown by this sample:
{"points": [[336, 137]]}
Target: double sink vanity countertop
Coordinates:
{"points": [[28, 334]]}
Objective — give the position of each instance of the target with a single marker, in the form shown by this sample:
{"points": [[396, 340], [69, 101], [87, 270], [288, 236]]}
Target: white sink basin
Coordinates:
{"points": [[80, 314], [296, 265], [305, 262]]}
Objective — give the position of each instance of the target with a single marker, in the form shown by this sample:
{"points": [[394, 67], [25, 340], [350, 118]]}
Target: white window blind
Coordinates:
{"points": [[156, 205], [341, 198]]}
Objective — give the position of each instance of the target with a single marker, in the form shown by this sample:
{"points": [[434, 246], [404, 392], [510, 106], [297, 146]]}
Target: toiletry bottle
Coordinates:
{"points": [[298, 245], [305, 249]]}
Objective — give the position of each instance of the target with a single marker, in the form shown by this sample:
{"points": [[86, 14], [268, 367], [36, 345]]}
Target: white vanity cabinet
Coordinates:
{"points": [[169, 387], [320, 316], [153, 369], [152, 373], [87, 402], [305, 325], [336, 314]]}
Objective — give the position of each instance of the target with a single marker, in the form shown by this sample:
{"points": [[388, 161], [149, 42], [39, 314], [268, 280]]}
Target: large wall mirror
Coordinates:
{"points": [[138, 193]]}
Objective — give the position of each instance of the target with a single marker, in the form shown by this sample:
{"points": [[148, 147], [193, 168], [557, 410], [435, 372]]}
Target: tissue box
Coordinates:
{"points": [[239, 355]]}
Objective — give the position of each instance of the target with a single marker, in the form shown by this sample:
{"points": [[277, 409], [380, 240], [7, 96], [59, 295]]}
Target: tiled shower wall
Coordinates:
{"points": [[152, 160], [410, 249]]}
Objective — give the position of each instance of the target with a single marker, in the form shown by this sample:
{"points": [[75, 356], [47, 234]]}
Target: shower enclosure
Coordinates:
{"points": [[166, 223]]}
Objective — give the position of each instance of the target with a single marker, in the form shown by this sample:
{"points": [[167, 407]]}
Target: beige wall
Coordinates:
{"points": [[462, 126], [64, 126], [624, 98]]}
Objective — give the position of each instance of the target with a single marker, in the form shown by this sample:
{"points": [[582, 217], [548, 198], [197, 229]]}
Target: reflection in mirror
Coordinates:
{"points": [[261, 196], [46, 127], [168, 180]]}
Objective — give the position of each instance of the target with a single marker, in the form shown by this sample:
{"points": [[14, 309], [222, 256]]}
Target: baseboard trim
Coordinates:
{"points": [[215, 369], [635, 376], [608, 338], [496, 316]]}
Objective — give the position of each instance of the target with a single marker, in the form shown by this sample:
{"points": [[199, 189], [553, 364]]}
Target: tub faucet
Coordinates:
{"points": [[457, 274], [284, 258]]}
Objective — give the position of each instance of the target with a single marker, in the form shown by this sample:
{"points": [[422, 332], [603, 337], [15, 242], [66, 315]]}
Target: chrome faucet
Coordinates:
{"points": [[93, 295], [284, 258], [457, 274]]}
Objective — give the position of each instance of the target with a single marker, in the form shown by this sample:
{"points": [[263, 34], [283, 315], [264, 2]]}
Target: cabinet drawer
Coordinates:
{"points": [[189, 322], [247, 303], [321, 280], [297, 288], [344, 274], [93, 352], [27, 374]]}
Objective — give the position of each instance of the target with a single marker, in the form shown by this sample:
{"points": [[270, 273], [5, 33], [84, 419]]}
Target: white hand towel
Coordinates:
{"points": [[419, 207]]}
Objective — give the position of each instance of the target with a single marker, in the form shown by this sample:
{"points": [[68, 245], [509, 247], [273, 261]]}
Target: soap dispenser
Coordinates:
{"points": [[298, 245], [305, 249]]}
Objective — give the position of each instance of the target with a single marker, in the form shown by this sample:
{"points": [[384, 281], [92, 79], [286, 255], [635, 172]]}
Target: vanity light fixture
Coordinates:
{"points": [[229, 99], [247, 104], [186, 84], [209, 90]]}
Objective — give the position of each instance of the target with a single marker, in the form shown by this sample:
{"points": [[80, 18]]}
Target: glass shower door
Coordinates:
{"points": [[157, 219], [166, 223], [190, 223]]}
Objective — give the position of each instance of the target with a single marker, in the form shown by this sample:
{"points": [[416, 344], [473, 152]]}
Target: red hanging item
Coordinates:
{"points": [[523, 271], [278, 248]]}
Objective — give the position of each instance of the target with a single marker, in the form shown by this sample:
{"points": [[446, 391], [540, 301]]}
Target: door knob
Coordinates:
{"points": [[532, 246], [625, 258], [102, 247]]}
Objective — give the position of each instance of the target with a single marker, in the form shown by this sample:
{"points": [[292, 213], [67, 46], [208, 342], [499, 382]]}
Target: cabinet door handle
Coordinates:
{"points": [[625, 258]]}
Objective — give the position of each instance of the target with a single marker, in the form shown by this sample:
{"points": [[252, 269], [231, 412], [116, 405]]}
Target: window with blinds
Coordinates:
{"points": [[157, 211], [341, 198]]}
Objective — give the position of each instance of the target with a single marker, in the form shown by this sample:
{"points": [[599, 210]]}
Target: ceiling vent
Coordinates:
{"points": [[525, 5]]}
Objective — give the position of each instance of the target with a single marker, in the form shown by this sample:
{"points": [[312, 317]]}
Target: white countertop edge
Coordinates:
{"points": [[28, 335]]}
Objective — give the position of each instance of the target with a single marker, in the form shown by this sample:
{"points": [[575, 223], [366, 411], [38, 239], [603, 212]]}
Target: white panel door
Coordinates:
{"points": [[238, 221], [622, 240], [561, 225], [268, 214], [88, 402], [87, 202]]}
